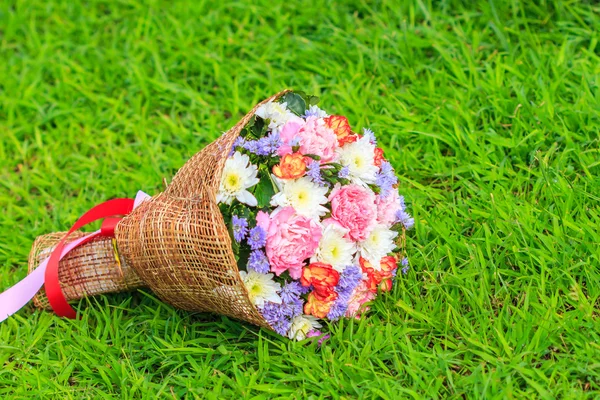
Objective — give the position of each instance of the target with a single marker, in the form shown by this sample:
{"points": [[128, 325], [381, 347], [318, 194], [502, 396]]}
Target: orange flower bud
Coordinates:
{"points": [[316, 307], [379, 158], [388, 265], [291, 166], [386, 285], [374, 278], [341, 128]]}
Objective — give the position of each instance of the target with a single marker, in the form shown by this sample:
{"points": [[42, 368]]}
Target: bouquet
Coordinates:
{"points": [[287, 220]]}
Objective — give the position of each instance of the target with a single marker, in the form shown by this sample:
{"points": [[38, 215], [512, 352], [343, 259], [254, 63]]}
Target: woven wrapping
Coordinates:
{"points": [[177, 243]]}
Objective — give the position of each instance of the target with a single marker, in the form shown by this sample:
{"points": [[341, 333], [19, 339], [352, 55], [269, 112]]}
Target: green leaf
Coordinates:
{"points": [[263, 192], [295, 103]]}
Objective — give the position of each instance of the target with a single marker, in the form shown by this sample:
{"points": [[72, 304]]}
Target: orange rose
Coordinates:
{"points": [[388, 265], [374, 278], [379, 158], [341, 128], [323, 278], [316, 307], [291, 166], [386, 285]]}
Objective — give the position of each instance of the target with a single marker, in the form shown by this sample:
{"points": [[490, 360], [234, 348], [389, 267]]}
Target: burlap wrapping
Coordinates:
{"points": [[177, 243], [88, 270]]}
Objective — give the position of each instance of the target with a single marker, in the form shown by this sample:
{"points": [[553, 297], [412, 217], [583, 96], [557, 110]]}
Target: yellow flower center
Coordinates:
{"points": [[232, 182], [358, 162]]}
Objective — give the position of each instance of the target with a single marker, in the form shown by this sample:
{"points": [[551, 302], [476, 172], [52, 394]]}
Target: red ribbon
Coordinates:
{"points": [[106, 210]]}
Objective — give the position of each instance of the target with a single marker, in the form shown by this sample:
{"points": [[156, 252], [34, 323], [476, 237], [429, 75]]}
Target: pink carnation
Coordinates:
{"points": [[387, 208], [291, 239], [361, 295], [353, 206]]}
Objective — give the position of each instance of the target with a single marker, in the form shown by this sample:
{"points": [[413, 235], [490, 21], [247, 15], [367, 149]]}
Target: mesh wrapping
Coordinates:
{"points": [[176, 243], [88, 270]]}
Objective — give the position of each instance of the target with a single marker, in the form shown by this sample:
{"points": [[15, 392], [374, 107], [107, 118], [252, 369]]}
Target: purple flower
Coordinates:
{"points": [[280, 316], [313, 171], [405, 265], [315, 333], [349, 280], [265, 146], [291, 292], [296, 140], [259, 262], [257, 238], [238, 142], [405, 219], [344, 172], [369, 134], [277, 316], [240, 228], [386, 179]]}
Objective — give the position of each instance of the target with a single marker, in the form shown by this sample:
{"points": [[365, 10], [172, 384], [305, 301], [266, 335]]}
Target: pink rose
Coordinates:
{"points": [[291, 239], [387, 208], [361, 295], [317, 138], [353, 206]]}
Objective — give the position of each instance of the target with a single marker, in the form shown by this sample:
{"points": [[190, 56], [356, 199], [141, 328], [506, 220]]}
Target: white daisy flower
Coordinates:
{"points": [[238, 176], [378, 244], [334, 249], [359, 157], [306, 197], [301, 325], [261, 287], [277, 114]]}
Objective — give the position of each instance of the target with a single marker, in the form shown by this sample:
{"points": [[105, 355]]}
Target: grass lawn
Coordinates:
{"points": [[490, 113]]}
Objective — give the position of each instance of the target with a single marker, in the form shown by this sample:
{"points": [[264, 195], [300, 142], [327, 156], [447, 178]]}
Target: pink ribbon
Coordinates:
{"points": [[17, 297]]}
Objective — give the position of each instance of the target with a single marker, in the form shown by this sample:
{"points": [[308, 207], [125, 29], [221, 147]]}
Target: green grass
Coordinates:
{"points": [[490, 113]]}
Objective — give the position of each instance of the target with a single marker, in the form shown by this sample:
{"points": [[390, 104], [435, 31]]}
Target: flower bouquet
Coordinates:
{"points": [[287, 220]]}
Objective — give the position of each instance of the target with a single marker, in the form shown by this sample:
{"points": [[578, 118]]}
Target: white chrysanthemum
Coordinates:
{"points": [[238, 176], [301, 325], [277, 114], [315, 111], [377, 245], [334, 249], [359, 157], [261, 287], [306, 197]]}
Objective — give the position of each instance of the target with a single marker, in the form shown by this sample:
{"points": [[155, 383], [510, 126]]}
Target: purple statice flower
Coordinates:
{"points": [[259, 262], [280, 316], [405, 219], [277, 316], [386, 179], [238, 142], [344, 172], [313, 171], [296, 141], [405, 265], [315, 111], [257, 238], [315, 333], [291, 292], [401, 202], [370, 135], [251, 146], [268, 145], [240, 228], [349, 280]]}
